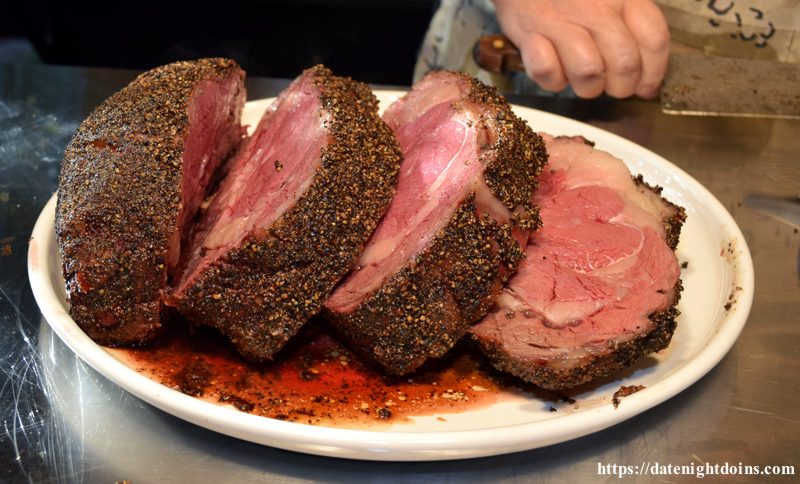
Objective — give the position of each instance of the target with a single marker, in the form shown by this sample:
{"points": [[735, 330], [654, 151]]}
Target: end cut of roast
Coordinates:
{"points": [[455, 229], [600, 281], [131, 182], [292, 214]]}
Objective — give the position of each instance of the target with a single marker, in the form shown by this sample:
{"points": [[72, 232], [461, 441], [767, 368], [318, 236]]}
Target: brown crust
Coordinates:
{"points": [[510, 180], [266, 289], [672, 225], [426, 307], [119, 197], [616, 355]]}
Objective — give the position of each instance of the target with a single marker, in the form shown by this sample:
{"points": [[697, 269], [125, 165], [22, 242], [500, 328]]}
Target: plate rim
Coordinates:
{"points": [[386, 445]]}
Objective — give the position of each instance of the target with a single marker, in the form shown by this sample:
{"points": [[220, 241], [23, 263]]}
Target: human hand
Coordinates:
{"points": [[615, 46]]}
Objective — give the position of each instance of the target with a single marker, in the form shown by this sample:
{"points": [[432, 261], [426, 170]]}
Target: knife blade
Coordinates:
{"points": [[694, 84], [785, 209]]}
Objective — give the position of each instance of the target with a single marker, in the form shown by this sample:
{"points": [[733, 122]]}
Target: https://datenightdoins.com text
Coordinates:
{"points": [[698, 470]]}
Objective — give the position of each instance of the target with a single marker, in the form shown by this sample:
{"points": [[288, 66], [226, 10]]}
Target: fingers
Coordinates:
{"points": [[620, 52], [617, 46], [581, 60], [649, 27], [563, 50], [519, 20], [542, 63]]}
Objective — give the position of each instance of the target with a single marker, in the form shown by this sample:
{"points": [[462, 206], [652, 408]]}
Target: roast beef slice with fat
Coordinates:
{"points": [[132, 178], [600, 281], [292, 215], [455, 229]]}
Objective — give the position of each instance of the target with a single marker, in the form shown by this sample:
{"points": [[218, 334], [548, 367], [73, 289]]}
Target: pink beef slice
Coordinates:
{"points": [[292, 215], [131, 182], [455, 229], [600, 281]]}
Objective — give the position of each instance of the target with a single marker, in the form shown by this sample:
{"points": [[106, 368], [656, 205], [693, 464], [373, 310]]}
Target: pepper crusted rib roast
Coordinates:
{"points": [[292, 215], [600, 281], [455, 229], [132, 178]]}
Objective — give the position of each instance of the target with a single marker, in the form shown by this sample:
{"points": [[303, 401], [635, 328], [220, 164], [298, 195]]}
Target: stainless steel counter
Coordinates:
{"points": [[63, 422]]}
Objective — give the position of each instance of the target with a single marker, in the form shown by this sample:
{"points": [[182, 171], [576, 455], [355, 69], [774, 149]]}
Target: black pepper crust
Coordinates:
{"points": [[425, 308], [119, 198], [262, 292], [511, 180], [615, 355], [673, 224]]}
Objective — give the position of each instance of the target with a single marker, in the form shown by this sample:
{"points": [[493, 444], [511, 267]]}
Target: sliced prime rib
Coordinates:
{"points": [[132, 179], [600, 281], [292, 215], [455, 229]]}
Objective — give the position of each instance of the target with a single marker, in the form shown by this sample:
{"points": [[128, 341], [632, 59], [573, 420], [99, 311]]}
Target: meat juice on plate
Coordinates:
{"points": [[262, 256], [315, 380]]}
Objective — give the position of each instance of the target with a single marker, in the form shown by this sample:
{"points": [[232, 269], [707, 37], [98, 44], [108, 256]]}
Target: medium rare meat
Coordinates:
{"points": [[600, 281], [292, 215], [455, 229], [131, 181]]}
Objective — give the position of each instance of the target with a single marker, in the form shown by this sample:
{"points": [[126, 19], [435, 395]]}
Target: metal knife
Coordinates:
{"points": [[695, 84], [785, 209]]}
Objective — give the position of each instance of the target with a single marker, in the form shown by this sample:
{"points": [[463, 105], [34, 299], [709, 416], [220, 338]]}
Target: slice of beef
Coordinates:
{"points": [[600, 281], [455, 229], [131, 181], [292, 215]]}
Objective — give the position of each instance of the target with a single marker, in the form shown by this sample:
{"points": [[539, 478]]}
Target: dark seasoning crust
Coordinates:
{"points": [[618, 354], [263, 291], [291, 267], [625, 391], [510, 180], [425, 308], [672, 225], [115, 253]]}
